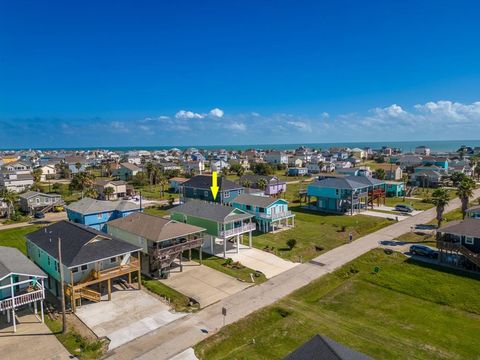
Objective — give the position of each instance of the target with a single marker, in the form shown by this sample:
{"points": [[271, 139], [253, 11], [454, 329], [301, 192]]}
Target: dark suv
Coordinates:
{"points": [[423, 251]]}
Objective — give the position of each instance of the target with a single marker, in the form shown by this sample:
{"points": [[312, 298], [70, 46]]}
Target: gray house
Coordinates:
{"points": [[33, 201]]}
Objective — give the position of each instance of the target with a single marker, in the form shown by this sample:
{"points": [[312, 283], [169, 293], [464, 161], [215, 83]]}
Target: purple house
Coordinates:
{"points": [[273, 186]]}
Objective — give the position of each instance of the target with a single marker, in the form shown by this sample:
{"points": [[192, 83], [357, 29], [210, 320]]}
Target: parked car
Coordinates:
{"points": [[423, 250], [403, 208], [39, 215]]}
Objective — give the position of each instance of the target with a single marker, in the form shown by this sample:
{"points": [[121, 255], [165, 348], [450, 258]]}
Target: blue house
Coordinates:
{"points": [[270, 214], [198, 187], [350, 194], [395, 188], [297, 171], [96, 213]]}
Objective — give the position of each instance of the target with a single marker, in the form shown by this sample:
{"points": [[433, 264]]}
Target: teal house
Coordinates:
{"points": [[221, 223], [395, 188], [270, 214], [341, 195], [441, 162]]}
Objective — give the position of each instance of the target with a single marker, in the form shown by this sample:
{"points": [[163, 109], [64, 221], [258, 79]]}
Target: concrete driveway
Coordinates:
{"points": [[33, 340], [204, 284], [130, 314], [269, 264]]}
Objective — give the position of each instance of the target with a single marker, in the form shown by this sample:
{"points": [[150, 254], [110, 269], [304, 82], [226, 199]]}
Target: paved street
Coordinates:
{"points": [[49, 218], [186, 332]]}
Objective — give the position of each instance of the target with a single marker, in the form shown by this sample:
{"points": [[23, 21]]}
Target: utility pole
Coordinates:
{"points": [[62, 289]]}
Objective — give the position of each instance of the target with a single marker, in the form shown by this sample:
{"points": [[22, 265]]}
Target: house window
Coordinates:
{"points": [[226, 195], [99, 216], [84, 267], [48, 261], [113, 259], [469, 240], [260, 209], [337, 191], [75, 270], [37, 200], [249, 207], [206, 193]]}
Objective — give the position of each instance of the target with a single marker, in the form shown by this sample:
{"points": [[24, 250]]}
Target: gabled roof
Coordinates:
{"points": [[467, 227], [12, 261], [113, 182], [204, 182], [131, 167], [254, 178], [80, 244], [349, 182], [260, 201], [210, 211], [154, 228], [88, 205], [322, 347]]}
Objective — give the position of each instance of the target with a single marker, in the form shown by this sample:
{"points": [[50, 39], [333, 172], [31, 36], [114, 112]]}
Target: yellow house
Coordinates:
{"points": [[9, 159]]}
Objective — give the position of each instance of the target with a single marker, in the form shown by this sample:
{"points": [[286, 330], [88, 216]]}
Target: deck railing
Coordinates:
{"points": [[278, 215], [238, 230], [21, 299]]}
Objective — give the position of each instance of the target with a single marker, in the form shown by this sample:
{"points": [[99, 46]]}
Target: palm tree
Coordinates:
{"points": [[465, 192], [262, 184], [440, 199], [78, 166], [37, 175], [380, 174], [107, 192], [150, 168], [224, 171], [10, 198], [163, 182], [247, 183], [91, 193]]}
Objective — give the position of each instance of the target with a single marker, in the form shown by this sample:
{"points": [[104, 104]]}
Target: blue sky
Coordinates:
{"points": [[95, 73]]}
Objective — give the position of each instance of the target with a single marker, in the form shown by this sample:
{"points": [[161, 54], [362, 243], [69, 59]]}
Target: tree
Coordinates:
{"points": [[457, 177], [477, 171], [91, 193], [150, 168], [291, 243], [78, 166], [247, 183], [380, 174], [140, 179], [107, 192], [81, 182], [163, 182], [224, 171], [10, 198], [465, 192], [37, 175], [440, 199], [263, 169], [237, 169], [262, 183]]}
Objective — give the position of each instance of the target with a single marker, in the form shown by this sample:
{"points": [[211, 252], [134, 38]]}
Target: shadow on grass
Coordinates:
{"points": [[443, 268]]}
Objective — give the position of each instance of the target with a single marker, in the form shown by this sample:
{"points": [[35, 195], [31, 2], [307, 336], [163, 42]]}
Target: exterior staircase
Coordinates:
{"points": [[51, 206], [88, 294], [470, 255]]}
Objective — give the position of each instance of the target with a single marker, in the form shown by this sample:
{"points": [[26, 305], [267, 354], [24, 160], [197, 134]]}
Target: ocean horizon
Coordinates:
{"points": [[405, 146]]}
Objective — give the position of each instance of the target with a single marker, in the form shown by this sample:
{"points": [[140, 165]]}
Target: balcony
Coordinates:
{"points": [[22, 299], [96, 276], [280, 215], [167, 252], [238, 230]]}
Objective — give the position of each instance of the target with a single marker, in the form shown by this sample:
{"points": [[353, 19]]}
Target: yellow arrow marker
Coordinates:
{"points": [[214, 186]]}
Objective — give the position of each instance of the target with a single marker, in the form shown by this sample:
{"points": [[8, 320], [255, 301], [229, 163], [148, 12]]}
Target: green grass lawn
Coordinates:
{"points": [[316, 233], [154, 192], [417, 204], [407, 311], [418, 238], [217, 263], [16, 237], [156, 210]]}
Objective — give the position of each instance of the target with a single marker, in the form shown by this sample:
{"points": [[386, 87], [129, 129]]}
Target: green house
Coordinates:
{"points": [[222, 223]]}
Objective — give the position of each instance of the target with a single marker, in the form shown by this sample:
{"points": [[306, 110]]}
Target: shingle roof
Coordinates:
{"points": [[349, 182], [30, 194], [153, 227], [205, 181], [12, 261], [114, 182], [467, 227], [91, 206], [131, 167], [254, 178], [261, 201], [323, 348], [77, 245], [212, 211]]}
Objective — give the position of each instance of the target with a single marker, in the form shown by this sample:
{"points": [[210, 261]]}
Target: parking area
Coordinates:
{"points": [[203, 284], [130, 314], [33, 340], [269, 264]]}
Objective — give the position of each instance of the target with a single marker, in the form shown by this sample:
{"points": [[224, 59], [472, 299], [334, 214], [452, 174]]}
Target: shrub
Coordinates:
{"points": [[291, 243]]}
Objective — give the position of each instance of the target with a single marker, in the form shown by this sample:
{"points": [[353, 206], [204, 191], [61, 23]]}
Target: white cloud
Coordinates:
{"points": [[117, 126], [182, 114], [455, 111], [301, 125], [216, 113], [237, 126]]}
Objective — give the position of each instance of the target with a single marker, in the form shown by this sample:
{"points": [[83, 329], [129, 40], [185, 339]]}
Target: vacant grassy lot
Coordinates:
{"points": [[418, 238], [16, 237], [406, 311], [417, 204], [316, 233], [154, 192], [156, 210]]}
